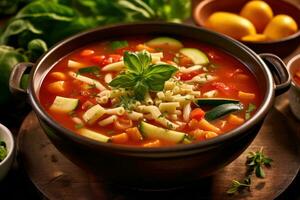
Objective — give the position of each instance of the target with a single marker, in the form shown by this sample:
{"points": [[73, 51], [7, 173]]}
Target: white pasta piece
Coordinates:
{"points": [[202, 78], [178, 112], [74, 64], [140, 108], [155, 59], [77, 120], [210, 94], [157, 102], [135, 116], [104, 93], [187, 111], [190, 69], [169, 107], [182, 98], [148, 117], [148, 100], [115, 111], [93, 114], [154, 111], [169, 85], [159, 54], [173, 117], [108, 120], [160, 95], [117, 66], [168, 95], [195, 93], [176, 90], [108, 78], [102, 100], [88, 80], [117, 93], [187, 87]]}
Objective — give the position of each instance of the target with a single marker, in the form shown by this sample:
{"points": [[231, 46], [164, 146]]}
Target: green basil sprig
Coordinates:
{"points": [[141, 76]]}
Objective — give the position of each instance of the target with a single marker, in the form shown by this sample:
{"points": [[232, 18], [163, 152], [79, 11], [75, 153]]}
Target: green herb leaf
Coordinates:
{"points": [[250, 109], [124, 81], [79, 126], [140, 76], [92, 70], [3, 150], [157, 75], [118, 44]]}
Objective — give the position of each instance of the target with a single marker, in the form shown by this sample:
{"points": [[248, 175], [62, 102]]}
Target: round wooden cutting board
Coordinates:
{"points": [[58, 178]]}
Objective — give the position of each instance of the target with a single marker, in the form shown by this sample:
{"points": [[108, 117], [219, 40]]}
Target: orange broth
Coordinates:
{"points": [[232, 75]]}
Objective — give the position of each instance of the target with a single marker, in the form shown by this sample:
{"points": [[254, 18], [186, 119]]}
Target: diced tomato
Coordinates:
{"points": [[98, 59], [197, 114], [87, 52], [187, 76], [223, 88]]}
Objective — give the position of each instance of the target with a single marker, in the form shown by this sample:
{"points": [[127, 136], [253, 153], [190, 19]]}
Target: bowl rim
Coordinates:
{"points": [[155, 152], [10, 150], [289, 65], [201, 4]]}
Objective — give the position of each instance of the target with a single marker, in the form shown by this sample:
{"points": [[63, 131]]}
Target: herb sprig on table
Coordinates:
{"points": [[3, 150], [255, 163]]}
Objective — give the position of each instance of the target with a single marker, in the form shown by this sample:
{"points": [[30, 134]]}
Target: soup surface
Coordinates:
{"points": [[150, 92]]}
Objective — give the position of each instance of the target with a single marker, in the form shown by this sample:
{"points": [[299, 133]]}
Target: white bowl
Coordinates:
{"points": [[7, 137], [294, 92]]}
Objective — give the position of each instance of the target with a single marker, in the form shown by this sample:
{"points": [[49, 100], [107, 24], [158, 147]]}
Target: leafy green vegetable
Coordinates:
{"points": [[237, 185], [250, 109], [3, 150], [92, 70], [9, 57], [141, 76], [222, 110], [118, 44], [36, 48], [50, 21]]}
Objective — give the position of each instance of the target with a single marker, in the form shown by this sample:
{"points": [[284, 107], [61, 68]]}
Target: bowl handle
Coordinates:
{"points": [[279, 72], [16, 77]]}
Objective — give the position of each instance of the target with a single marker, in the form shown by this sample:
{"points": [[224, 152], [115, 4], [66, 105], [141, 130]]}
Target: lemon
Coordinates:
{"points": [[255, 38], [259, 13], [230, 24], [281, 26]]}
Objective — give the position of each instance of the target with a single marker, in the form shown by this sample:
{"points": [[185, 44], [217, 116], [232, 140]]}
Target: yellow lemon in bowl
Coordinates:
{"points": [[255, 38], [258, 12], [230, 24], [281, 26]]}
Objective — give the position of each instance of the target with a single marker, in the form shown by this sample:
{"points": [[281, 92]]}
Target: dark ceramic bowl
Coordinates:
{"points": [[155, 167], [282, 47]]}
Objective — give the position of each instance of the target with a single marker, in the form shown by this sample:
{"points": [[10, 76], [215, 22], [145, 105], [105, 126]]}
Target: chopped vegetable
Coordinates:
{"points": [[92, 70], [250, 109], [120, 138], [197, 114], [214, 101], [118, 44], [222, 110], [233, 119], [3, 150], [246, 96]]}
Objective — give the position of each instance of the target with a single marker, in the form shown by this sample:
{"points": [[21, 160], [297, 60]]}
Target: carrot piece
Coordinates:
{"points": [[297, 74], [58, 75], [197, 114], [141, 47], [134, 134], [198, 134], [233, 119], [156, 143], [120, 138], [56, 87], [242, 77], [193, 124], [87, 52], [210, 134], [246, 96], [205, 125]]}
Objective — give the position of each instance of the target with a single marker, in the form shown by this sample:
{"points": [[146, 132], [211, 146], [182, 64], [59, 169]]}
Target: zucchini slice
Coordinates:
{"points": [[153, 132], [197, 56], [222, 110], [161, 42], [214, 101], [93, 135], [63, 104]]}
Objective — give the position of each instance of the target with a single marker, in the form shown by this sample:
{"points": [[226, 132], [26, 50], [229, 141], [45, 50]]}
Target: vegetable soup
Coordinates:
{"points": [[150, 92]]}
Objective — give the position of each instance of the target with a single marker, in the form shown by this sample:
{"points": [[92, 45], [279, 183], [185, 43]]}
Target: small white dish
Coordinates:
{"points": [[7, 137], [294, 92]]}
